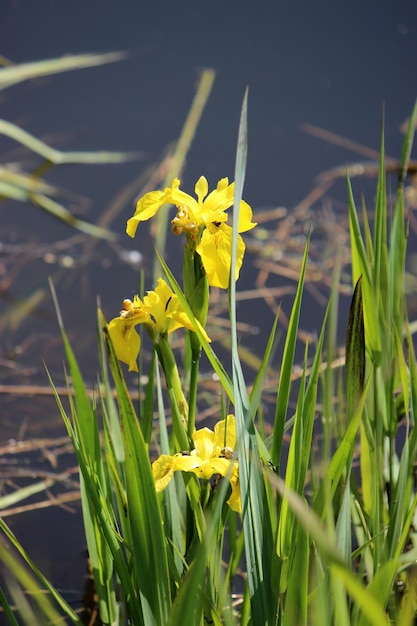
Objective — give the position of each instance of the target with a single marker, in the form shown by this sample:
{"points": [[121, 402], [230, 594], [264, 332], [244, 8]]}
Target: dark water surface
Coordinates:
{"points": [[327, 64]]}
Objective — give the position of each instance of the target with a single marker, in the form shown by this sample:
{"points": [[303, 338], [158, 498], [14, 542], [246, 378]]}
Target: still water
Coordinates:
{"points": [[316, 65]]}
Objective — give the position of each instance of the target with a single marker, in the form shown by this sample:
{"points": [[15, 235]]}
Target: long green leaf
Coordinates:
{"points": [[105, 520], [398, 239], [362, 266], [86, 427], [355, 351], [258, 535], [284, 388], [342, 458], [149, 548], [300, 447], [45, 603]]}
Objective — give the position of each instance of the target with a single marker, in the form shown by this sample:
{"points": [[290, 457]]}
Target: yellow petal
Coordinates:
{"points": [[146, 208], [201, 189], [215, 249], [206, 470], [187, 462], [163, 470], [126, 341], [235, 501], [180, 319], [222, 184], [184, 200], [217, 202], [204, 443], [220, 466], [245, 217], [225, 432]]}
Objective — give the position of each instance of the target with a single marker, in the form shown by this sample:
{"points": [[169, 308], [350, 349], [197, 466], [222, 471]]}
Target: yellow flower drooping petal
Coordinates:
{"points": [[126, 342], [146, 208], [125, 339], [212, 455], [215, 249], [163, 470]]}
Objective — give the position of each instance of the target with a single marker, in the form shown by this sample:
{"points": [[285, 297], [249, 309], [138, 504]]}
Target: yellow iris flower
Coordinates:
{"points": [[203, 221], [212, 454], [162, 313]]}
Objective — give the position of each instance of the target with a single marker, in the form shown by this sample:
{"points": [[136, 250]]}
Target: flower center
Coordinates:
{"points": [[182, 223]]}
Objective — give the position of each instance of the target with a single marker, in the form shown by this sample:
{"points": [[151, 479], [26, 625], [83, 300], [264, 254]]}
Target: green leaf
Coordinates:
{"points": [[355, 351], [148, 540], [295, 610], [284, 388], [29, 583], [258, 535], [342, 458]]}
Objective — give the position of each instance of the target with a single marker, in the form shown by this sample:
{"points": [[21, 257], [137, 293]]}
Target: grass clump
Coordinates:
{"points": [[322, 536]]}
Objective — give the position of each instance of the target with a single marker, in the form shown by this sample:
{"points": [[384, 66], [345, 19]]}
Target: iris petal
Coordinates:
{"points": [[163, 470], [215, 249], [201, 189], [146, 208], [126, 341]]}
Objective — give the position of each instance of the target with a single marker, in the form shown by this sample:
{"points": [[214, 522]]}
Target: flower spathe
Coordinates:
{"points": [[203, 220], [212, 454], [160, 311]]}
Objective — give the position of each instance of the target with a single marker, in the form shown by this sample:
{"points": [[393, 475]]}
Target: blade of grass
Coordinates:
{"points": [[285, 382], [86, 427], [355, 352], [8, 611], [103, 517], [14, 74], [361, 266], [179, 156], [364, 598], [258, 535], [342, 459], [58, 157], [398, 238], [149, 550], [29, 583], [300, 448], [60, 212]]}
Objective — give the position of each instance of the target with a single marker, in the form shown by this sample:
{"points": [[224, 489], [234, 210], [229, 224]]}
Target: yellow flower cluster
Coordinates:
{"points": [[207, 261]]}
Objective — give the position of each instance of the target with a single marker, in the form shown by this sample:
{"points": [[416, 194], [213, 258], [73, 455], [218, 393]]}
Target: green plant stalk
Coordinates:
{"points": [[196, 291], [177, 399], [192, 396]]}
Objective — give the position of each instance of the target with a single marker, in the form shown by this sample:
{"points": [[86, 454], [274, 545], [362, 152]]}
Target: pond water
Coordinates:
{"points": [[328, 65]]}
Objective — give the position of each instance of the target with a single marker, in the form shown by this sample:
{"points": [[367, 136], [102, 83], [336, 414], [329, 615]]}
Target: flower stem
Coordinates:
{"points": [[192, 397], [177, 399]]}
